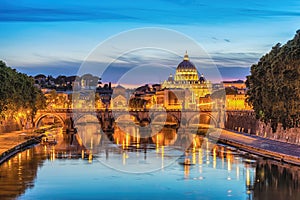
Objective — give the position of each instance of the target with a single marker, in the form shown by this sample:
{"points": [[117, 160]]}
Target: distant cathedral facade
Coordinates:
{"points": [[186, 89]]}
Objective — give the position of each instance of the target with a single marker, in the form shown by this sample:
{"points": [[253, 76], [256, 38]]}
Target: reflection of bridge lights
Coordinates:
{"points": [[222, 156], [194, 156], [162, 156], [127, 140], [20, 158], [124, 158], [90, 159], [214, 158], [207, 152], [82, 154], [52, 154], [200, 169], [229, 164], [237, 172], [200, 161], [28, 154], [123, 144], [186, 168], [228, 160], [157, 143], [248, 182]]}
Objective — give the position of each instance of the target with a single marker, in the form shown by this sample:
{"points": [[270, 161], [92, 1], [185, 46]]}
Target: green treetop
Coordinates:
{"points": [[18, 95], [274, 85]]}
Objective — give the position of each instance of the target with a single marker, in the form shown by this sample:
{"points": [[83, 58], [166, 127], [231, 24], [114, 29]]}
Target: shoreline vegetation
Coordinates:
{"points": [[19, 99], [273, 86]]}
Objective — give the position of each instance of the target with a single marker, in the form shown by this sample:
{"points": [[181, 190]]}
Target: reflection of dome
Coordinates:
{"points": [[186, 71]]}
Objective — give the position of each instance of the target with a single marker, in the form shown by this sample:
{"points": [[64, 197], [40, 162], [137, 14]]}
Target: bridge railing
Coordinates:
{"points": [[70, 110]]}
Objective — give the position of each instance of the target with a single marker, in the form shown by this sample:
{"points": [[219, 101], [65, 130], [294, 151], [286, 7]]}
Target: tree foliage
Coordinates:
{"points": [[18, 94], [274, 85]]}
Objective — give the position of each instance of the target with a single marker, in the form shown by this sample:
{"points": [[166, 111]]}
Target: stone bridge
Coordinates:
{"points": [[107, 118]]}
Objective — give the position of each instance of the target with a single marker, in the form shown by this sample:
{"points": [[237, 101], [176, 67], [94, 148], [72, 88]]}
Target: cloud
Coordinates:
{"points": [[269, 13], [56, 14], [217, 39], [149, 57], [235, 59], [115, 71], [203, 62], [62, 67], [152, 12]]}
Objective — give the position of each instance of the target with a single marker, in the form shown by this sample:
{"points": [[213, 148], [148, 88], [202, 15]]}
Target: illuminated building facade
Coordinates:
{"points": [[185, 89], [237, 102], [235, 97]]}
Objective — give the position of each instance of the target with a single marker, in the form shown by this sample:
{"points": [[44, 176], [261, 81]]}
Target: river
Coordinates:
{"points": [[130, 168]]}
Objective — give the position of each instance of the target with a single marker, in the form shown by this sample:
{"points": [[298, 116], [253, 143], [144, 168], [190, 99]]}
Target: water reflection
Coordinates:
{"points": [[17, 174], [276, 181], [201, 165]]}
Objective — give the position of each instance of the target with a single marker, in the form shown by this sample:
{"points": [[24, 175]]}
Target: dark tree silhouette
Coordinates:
{"points": [[274, 85]]}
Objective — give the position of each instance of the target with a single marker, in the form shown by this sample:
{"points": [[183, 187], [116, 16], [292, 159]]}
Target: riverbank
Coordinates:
{"points": [[14, 142], [277, 150]]}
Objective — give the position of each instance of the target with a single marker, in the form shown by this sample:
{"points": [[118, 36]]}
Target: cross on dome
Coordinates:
{"points": [[186, 56]]}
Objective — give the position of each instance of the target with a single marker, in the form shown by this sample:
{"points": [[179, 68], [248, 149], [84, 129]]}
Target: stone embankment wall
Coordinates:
{"points": [[20, 147], [245, 121]]}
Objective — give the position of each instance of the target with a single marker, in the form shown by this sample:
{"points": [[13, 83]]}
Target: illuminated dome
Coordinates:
{"points": [[186, 64], [186, 71]]}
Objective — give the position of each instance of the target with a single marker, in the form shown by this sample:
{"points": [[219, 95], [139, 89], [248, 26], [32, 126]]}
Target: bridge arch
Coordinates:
{"points": [[126, 123], [88, 130], [125, 118], [165, 118], [85, 118], [202, 118], [42, 116]]}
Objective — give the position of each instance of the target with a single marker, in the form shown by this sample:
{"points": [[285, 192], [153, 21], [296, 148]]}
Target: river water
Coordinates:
{"points": [[130, 168]]}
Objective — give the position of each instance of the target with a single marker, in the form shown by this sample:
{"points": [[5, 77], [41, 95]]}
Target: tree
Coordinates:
{"points": [[274, 85], [18, 95]]}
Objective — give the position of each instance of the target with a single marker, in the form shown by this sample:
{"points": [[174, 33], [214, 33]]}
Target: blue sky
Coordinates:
{"points": [[55, 36]]}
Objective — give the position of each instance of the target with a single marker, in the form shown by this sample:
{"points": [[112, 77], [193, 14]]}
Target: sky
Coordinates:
{"points": [[57, 36]]}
